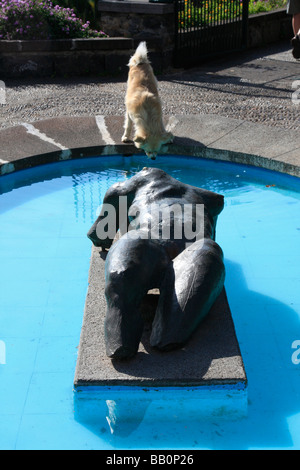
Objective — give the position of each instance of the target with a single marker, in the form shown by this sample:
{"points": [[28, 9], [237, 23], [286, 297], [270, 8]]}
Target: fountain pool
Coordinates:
{"points": [[45, 213]]}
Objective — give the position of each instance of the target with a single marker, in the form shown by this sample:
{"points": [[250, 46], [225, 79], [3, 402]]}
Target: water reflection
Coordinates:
{"points": [[121, 419], [212, 420], [124, 409], [91, 177], [89, 190]]}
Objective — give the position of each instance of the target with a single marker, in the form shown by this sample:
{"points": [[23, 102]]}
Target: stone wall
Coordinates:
{"points": [[267, 28], [65, 57], [134, 21], [142, 21]]}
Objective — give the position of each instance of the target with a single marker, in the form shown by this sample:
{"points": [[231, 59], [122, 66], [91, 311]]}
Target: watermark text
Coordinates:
{"points": [[296, 353], [2, 93], [2, 353], [157, 221], [296, 93]]}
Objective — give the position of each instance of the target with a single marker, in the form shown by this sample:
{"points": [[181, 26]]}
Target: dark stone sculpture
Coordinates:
{"points": [[186, 265]]}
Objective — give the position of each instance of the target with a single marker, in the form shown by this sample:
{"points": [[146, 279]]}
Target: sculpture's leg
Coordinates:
{"points": [[133, 267], [190, 287]]}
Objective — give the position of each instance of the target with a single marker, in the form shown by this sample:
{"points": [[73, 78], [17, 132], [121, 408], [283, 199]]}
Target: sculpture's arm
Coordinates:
{"points": [[214, 202], [118, 197]]}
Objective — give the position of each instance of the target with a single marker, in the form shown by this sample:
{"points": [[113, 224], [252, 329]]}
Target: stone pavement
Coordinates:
{"points": [[255, 86], [239, 104]]}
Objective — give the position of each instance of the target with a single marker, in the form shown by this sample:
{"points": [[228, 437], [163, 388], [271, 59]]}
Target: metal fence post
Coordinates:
{"points": [[207, 28], [245, 23]]}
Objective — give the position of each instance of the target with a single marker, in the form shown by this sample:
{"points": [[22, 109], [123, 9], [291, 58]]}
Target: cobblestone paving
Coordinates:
{"points": [[255, 86]]}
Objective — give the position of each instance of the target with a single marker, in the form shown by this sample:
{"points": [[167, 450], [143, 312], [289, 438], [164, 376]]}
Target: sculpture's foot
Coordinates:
{"points": [[168, 346], [122, 353]]}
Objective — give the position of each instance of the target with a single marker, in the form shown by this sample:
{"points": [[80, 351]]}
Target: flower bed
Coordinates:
{"points": [[207, 12], [40, 19]]}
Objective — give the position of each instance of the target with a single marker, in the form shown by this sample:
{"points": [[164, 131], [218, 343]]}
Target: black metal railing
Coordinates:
{"points": [[208, 27]]}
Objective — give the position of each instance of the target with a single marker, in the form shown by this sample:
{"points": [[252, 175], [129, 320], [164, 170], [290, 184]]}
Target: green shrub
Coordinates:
{"points": [[203, 12], [260, 6], [196, 13], [40, 19]]}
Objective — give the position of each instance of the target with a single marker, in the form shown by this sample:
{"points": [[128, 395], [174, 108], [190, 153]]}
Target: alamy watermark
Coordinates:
{"points": [[296, 353], [2, 353], [158, 221], [2, 93], [296, 93]]}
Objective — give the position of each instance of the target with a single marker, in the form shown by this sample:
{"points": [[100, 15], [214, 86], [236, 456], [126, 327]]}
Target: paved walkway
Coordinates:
{"points": [[239, 104]]}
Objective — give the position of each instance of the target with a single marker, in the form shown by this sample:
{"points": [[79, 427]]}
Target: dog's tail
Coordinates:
{"points": [[140, 56]]}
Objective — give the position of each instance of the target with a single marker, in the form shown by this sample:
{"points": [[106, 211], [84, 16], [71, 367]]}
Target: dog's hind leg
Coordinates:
{"points": [[127, 128]]}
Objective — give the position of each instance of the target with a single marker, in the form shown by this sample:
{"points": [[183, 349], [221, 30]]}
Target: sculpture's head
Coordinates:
{"points": [[99, 243], [92, 235]]}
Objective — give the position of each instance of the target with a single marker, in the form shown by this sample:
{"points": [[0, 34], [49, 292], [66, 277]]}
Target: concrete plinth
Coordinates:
{"points": [[211, 358]]}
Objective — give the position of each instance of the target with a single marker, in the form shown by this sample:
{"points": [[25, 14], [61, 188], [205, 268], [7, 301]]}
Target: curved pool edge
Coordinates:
{"points": [[204, 136], [77, 417]]}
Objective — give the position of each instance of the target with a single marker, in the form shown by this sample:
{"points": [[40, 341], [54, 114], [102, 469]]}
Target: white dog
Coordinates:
{"points": [[143, 106]]}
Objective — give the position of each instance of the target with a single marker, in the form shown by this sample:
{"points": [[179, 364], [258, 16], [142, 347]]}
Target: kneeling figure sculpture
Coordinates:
{"points": [[187, 269]]}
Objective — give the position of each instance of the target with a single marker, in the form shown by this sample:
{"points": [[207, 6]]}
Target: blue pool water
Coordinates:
{"points": [[45, 213]]}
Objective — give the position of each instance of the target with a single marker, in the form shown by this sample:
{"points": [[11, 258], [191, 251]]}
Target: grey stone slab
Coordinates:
{"points": [[292, 157], [89, 44], [72, 132], [115, 126], [211, 357], [17, 143], [105, 44], [202, 129], [207, 136], [257, 139]]}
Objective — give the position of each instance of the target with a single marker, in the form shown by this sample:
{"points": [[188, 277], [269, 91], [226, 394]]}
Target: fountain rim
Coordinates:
{"points": [[201, 136]]}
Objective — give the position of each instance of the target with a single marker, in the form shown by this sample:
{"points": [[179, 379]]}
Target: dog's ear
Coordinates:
{"points": [[139, 140]]}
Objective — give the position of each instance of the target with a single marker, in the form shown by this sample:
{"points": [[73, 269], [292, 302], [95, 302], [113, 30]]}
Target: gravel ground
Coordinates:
{"points": [[255, 86]]}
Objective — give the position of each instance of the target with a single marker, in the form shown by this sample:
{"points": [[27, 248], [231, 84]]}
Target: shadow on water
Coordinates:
{"points": [[272, 390]]}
